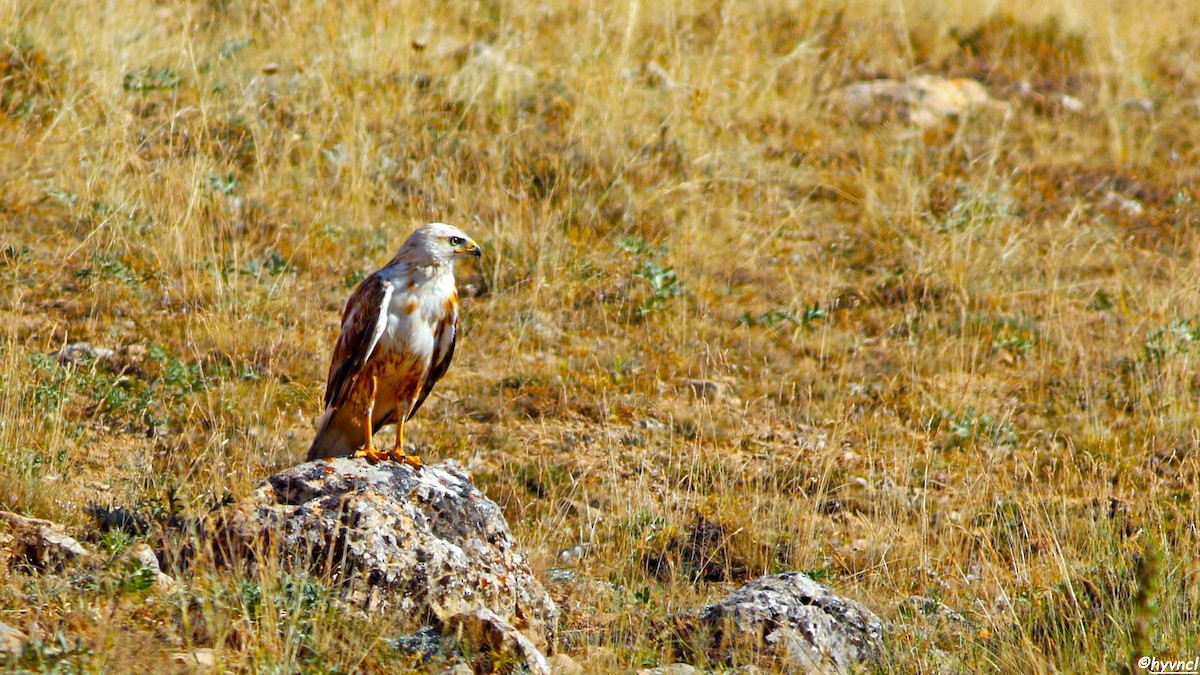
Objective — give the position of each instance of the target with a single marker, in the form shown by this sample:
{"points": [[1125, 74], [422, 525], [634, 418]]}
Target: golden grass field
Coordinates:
{"points": [[957, 361]]}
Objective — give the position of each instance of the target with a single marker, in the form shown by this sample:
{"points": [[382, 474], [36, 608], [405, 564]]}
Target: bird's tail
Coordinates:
{"points": [[330, 440]]}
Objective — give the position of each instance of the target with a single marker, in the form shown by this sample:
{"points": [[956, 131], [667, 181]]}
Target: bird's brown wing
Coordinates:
{"points": [[363, 322], [445, 335]]}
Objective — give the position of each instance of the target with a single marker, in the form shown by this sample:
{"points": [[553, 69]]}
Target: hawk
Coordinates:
{"points": [[397, 339]]}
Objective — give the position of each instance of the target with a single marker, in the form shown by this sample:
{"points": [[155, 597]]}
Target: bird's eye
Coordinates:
{"points": [[457, 241]]}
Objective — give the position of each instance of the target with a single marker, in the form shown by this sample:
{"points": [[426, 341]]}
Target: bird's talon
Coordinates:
{"points": [[401, 457], [372, 455]]}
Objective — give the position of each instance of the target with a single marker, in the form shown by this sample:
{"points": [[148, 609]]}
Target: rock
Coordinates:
{"points": [[38, 544], [931, 608], [709, 390], [574, 554], [1126, 205], [12, 640], [204, 657], [83, 354], [502, 647], [1139, 104], [670, 669], [143, 555], [651, 424], [1071, 104], [424, 542], [561, 575], [939, 99], [561, 664], [800, 620], [423, 644], [925, 100], [1049, 101]]}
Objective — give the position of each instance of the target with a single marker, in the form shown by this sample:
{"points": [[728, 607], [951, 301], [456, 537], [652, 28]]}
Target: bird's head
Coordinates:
{"points": [[439, 244]]}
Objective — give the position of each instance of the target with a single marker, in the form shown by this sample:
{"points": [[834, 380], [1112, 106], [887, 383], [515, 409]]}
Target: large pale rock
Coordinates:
{"points": [[925, 100], [800, 620], [38, 545], [424, 541], [12, 640]]}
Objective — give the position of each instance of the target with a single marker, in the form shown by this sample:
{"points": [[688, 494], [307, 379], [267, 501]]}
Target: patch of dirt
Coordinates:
{"points": [[1150, 207], [921, 291]]}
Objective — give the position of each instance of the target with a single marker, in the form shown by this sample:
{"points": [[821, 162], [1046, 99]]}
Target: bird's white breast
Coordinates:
{"points": [[414, 313]]}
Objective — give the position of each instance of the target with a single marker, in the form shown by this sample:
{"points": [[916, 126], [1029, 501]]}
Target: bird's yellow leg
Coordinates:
{"points": [[368, 450], [398, 453]]}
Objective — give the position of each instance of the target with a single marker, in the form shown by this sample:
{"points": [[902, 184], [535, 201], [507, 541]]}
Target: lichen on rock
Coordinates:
{"points": [[424, 541], [800, 620]]}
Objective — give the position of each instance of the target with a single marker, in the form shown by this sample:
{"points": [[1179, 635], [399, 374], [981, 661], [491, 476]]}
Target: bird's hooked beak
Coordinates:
{"points": [[472, 248]]}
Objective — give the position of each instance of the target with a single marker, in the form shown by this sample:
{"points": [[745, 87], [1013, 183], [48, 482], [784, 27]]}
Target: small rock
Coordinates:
{"points": [[874, 101], [500, 641], [939, 99], [651, 424], [423, 643], [709, 390], [561, 575], [1071, 104], [204, 657], [799, 619], [1130, 207], [12, 640], [271, 68], [670, 669], [84, 353], [1140, 104], [925, 100], [561, 664], [143, 555], [574, 554], [338, 156], [935, 611], [39, 544]]}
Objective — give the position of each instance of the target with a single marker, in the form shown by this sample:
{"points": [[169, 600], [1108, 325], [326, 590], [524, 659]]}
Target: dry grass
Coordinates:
{"points": [[960, 362]]}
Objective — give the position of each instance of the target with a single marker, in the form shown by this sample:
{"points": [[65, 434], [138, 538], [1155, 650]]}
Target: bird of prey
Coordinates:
{"points": [[397, 339]]}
